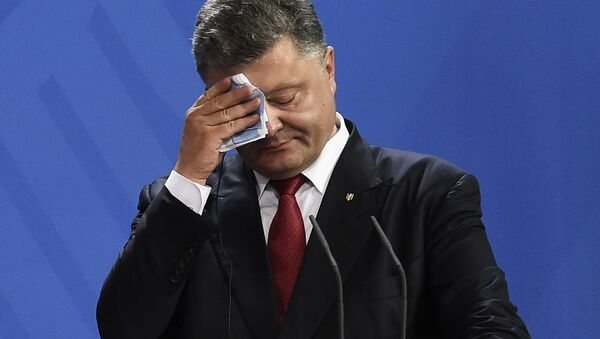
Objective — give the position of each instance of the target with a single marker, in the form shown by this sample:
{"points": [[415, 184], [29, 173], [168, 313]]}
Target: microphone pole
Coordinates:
{"points": [[336, 270], [390, 249]]}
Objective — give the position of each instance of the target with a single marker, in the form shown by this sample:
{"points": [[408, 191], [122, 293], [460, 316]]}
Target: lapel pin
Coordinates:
{"points": [[349, 196]]}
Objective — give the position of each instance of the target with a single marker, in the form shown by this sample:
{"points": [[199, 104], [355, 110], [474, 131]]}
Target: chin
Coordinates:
{"points": [[279, 172], [278, 168], [276, 164]]}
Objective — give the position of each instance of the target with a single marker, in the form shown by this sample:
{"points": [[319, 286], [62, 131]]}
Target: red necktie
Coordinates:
{"points": [[287, 241]]}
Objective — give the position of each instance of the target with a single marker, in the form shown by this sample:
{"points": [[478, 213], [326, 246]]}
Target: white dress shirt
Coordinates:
{"points": [[309, 196]]}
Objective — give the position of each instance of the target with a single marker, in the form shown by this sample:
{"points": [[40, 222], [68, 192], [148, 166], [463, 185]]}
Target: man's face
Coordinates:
{"points": [[300, 106]]}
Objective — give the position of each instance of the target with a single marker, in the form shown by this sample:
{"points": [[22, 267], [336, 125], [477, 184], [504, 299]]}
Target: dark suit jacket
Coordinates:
{"points": [[172, 278]]}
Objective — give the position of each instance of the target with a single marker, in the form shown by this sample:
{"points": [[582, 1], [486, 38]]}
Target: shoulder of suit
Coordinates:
{"points": [[400, 165]]}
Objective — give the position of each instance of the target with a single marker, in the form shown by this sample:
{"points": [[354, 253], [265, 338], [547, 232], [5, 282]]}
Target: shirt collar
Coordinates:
{"points": [[319, 171]]}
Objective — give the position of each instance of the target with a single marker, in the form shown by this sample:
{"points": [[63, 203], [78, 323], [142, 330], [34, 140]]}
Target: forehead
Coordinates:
{"points": [[281, 65]]}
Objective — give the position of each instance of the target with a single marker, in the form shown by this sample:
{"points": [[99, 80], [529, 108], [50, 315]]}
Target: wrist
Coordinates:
{"points": [[196, 177]]}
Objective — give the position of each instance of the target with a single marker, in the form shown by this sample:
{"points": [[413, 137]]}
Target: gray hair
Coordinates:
{"points": [[231, 33]]}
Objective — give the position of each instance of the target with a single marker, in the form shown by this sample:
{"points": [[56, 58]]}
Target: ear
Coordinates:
{"points": [[329, 64]]}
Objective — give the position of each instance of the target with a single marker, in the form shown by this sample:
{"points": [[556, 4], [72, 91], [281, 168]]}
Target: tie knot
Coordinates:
{"points": [[288, 186]]}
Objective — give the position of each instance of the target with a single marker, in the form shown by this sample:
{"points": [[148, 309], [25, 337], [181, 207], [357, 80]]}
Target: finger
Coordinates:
{"points": [[232, 113], [212, 92], [222, 102], [232, 127], [226, 100]]}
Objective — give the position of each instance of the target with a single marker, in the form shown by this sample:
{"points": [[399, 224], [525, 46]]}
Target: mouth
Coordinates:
{"points": [[273, 145]]}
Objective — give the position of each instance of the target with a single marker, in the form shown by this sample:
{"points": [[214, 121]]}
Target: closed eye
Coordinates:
{"points": [[285, 100]]}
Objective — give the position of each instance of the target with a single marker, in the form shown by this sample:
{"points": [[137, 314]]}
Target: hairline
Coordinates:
{"points": [[314, 52]]}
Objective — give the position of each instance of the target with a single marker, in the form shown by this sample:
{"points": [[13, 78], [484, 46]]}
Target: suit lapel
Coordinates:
{"points": [[244, 244], [353, 194]]}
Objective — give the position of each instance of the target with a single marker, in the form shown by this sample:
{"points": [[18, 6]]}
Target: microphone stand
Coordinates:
{"points": [[336, 270], [398, 264]]}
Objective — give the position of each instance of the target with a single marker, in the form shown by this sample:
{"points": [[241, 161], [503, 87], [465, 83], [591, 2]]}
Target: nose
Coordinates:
{"points": [[274, 124]]}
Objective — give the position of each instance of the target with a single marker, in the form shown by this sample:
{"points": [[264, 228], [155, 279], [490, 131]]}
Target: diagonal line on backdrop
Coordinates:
{"points": [[85, 150], [11, 325], [155, 112], [6, 8], [44, 233], [182, 12]]}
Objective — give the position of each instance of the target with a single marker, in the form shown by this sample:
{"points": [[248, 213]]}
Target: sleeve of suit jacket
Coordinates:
{"points": [[467, 291], [142, 290]]}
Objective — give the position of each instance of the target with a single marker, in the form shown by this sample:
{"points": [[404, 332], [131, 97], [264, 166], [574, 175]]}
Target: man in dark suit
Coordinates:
{"points": [[223, 248]]}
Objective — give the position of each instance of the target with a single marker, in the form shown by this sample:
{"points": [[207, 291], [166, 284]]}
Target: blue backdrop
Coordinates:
{"points": [[92, 95]]}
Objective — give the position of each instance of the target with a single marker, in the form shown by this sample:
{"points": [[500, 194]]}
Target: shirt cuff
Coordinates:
{"points": [[190, 193]]}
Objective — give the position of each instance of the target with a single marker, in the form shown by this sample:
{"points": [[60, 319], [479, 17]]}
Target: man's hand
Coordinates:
{"points": [[217, 115]]}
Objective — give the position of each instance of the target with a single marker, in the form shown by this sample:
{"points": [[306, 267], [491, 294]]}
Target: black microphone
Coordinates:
{"points": [[390, 250], [336, 270]]}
